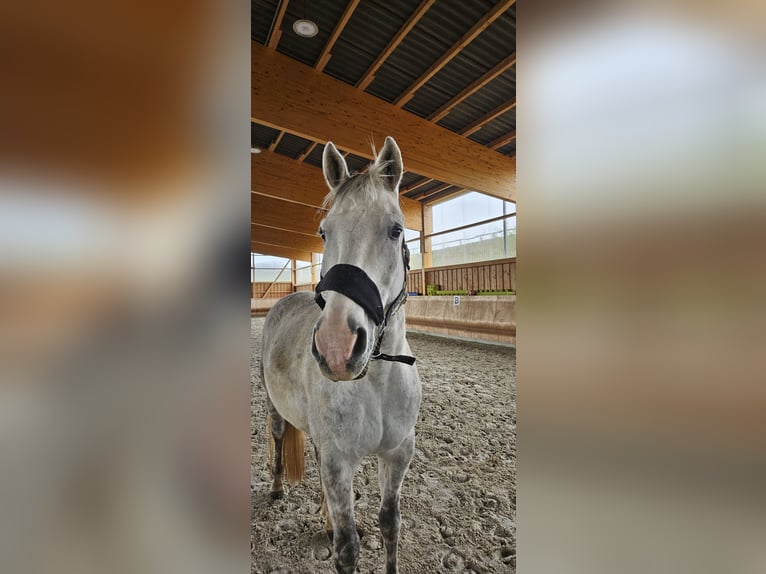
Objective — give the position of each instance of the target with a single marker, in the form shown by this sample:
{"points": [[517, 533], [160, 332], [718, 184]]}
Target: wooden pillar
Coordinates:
{"points": [[293, 275], [425, 244], [314, 269]]}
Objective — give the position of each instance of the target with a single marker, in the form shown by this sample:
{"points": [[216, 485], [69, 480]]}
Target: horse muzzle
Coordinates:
{"points": [[341, 349]]}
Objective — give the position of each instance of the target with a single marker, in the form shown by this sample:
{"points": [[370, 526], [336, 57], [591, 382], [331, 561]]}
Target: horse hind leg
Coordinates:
{"points": [[391, 470], [276, 426], [286, 456]]}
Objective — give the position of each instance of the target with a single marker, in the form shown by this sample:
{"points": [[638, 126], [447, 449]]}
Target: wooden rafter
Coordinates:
{"points": [[503, 140], [326, 54], [475, 126], [474, 87], [369, 75], [276, 29], [454, 50], [305, 153], [275, 142], [418, 185], [434, 191]]}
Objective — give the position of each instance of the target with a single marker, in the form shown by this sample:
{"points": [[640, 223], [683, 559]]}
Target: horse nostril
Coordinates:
{"points": [[361, 342]]}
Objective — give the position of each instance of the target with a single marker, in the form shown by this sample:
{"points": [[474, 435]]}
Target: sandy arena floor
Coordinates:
{"points": [[458, 501]]}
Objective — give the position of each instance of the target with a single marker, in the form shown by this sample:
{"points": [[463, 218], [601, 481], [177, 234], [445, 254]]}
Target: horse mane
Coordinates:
{"points": [[367, 186]]}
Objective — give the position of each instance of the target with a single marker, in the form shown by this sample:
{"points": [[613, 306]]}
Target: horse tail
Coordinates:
{"points": [[293, 454], [293, 459]]}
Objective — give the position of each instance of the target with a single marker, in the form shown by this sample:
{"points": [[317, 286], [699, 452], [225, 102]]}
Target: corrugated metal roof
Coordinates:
{"points": [[368, 32], [261, 136], [292, 146]]}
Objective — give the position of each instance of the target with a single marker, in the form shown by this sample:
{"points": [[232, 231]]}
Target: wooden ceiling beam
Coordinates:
{"points": [[369, 75], [497, 11], [326, 54], [503, 140], [279, 251], [473, 87], [280, 177], [276, 27], [475, 126], [286, 238], [315, 106], [273, 212]]}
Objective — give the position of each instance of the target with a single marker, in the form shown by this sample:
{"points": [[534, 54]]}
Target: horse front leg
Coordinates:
{"points": [[337, 479], [323, 499], [392, 466]]}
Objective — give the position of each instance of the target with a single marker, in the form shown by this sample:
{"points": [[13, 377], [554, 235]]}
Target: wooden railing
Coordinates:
{"points": [[498, 275]]}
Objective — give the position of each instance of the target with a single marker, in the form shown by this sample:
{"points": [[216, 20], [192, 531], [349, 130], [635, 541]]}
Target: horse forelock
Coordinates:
{"points": [[370, 186]]}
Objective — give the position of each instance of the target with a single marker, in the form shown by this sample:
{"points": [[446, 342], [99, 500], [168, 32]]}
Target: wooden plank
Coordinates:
{"points": [[276, 32], [315, 106], [513, 276], [496, 11], [288, 239], [284, 214], [506, 277], [493, 272], [369, 75], [473, 87], [277, 251], [326, 54], [475, 126], [278, 176]]}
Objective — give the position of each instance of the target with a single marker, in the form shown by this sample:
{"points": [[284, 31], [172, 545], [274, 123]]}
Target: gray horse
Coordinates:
{"points": [[336, 364]]}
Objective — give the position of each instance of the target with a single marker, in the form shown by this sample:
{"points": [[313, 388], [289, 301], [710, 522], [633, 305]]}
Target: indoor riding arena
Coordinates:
{"points": [[438, 78]]}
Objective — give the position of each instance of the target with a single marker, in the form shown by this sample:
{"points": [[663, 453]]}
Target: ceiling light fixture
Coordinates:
{"points": [[255, 150], [304, 27]]}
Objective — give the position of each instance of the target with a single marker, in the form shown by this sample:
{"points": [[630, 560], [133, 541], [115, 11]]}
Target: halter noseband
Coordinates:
{"points": [[354, 283]]}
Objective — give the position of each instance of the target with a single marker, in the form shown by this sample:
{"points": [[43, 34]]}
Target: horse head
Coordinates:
{"points": [[365, 261]]}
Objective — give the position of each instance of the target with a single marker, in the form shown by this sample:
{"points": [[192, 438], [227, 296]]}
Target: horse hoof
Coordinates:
{"points": [[277, 495], [359, 531]]}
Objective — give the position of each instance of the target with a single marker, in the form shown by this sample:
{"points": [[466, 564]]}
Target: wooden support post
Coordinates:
{"points": [[293, 275], [314, 269], [425, 244]]}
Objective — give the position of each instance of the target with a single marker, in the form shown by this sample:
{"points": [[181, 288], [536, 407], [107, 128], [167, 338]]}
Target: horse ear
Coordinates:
{"points": [[334, 167], [390, 160]]}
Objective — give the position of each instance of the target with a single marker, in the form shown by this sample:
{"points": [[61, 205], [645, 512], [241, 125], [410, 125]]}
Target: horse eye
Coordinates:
{"points": [[321, 233], [395, 231]]}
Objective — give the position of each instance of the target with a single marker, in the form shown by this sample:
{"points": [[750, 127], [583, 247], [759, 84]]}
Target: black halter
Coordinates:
{"points": [[355, 284]]}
